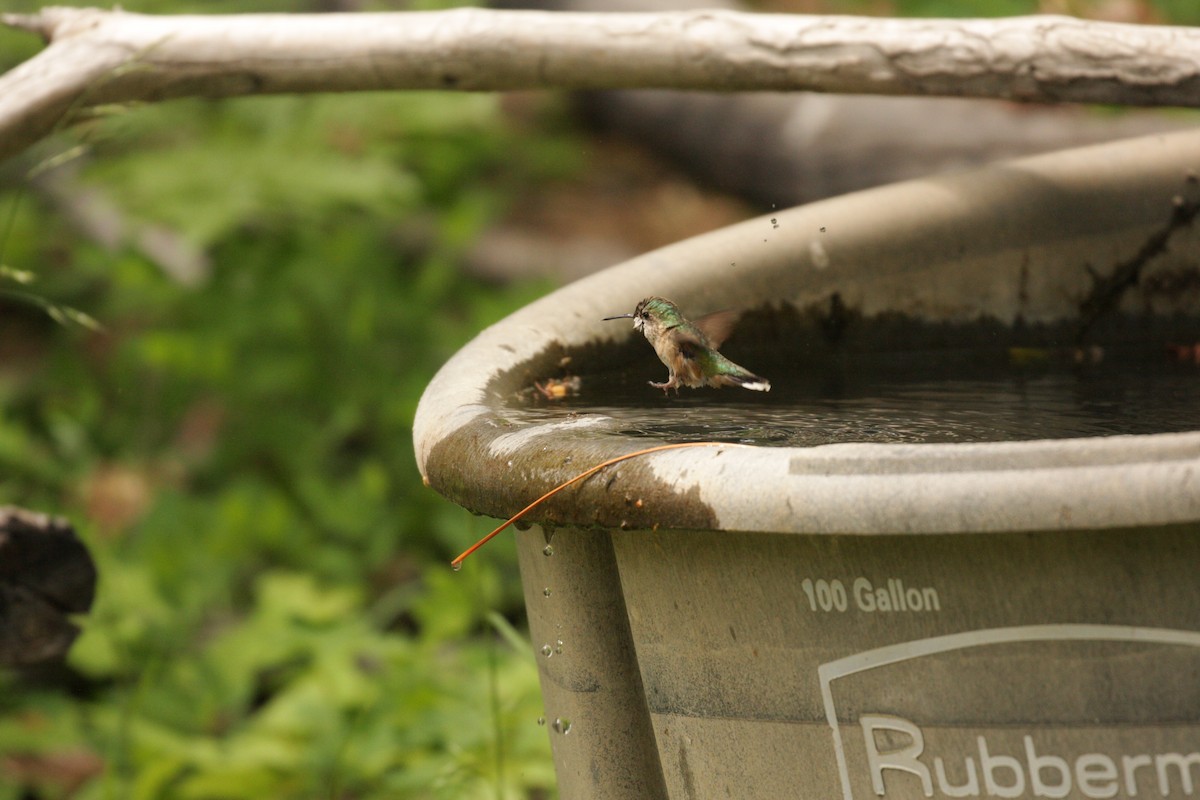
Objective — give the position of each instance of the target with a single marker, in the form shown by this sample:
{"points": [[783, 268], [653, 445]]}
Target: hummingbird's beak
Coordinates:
{"points": [[619, 316]]}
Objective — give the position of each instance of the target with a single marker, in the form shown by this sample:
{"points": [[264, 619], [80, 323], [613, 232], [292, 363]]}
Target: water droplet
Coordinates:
{"points": [[546, 592], [510, 462], [548, 550], [562, 725], [541, 720], [547, 650], [558, 647], [456, 566]]}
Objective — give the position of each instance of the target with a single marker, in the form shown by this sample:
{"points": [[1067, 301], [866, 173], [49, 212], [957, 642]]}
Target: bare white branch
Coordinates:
{"points": [[97, 56]]}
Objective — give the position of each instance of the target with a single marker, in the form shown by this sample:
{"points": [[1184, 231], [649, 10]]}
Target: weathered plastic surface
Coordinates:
{"points": [[1016, 619], [1006, 665], [602, 738]]}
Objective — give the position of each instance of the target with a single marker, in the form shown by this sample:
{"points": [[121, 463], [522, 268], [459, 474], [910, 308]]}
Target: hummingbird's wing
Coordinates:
{"points": [[693, 360], [717, 326]]}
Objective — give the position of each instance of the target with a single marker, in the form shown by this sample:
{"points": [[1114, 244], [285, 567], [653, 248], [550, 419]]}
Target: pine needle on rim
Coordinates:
{"points": [[456, 564]]}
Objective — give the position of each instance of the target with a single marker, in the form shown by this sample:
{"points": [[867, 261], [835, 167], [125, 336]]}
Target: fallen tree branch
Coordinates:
{"points": [[97, 56]]}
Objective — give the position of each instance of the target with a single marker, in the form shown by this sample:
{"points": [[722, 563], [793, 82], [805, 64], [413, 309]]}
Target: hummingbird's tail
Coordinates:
{"points": [[720, 371], [744, 379]]}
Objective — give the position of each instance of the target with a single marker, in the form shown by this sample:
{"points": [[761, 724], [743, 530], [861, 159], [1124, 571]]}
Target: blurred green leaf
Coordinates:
{"points": [[275, 615]]}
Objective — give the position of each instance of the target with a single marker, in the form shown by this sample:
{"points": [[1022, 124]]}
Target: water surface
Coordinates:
{"points": [[912, 399]]}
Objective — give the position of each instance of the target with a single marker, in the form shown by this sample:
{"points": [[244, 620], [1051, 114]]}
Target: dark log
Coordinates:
{"points": [[46, 575]]}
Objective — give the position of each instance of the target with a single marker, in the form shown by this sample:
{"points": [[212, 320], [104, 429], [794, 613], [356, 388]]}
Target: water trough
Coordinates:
{"points": [[865, 618]]}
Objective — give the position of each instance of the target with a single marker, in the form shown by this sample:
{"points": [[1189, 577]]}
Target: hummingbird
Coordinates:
{"points": [[689, 349]]}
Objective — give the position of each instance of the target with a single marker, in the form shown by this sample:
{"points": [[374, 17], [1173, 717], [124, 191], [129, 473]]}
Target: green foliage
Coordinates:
{"points": [[957, 8], [276, 616], [1177, 12]]}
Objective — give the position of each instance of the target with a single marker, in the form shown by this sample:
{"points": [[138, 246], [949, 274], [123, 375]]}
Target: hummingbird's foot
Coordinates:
{"points": [[666, 387]]}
